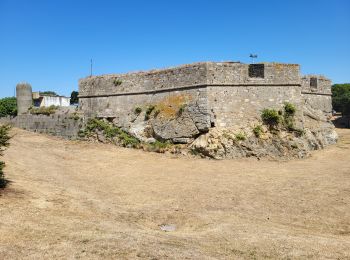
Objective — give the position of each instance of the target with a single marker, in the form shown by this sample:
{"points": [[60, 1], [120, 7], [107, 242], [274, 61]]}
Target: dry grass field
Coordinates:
{"points": [[78, 200]]}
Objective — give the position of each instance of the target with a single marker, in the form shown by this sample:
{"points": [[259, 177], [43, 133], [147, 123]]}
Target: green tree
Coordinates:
{"points": [[8, 106], [48, 93], [341, 98], [74, 99]]}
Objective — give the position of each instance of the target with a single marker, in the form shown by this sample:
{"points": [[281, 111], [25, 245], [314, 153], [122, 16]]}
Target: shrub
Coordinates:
{"points": [[240, 136], [288, 116], [149, 111], [117, 82], [270, 117], [4, 142], [44, 110], [109, 131], [257, 130], [289, 109], [2, 177], [4, 137], [138, 110], [8, 106], [128, 140]]}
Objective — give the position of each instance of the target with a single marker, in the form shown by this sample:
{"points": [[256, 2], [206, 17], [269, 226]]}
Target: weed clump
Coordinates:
{"points": [[117, 82], [258, 130], [149, 111], [111, 132], [137, 110], [271, 117], [284, 118], [289, 109], [44, 110], [240, 136]]}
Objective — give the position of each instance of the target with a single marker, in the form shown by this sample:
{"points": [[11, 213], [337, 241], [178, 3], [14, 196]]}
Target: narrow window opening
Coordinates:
{"points": [[313, 83]]}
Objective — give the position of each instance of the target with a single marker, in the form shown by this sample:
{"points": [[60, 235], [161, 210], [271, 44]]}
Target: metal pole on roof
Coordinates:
{"points": [[91, 68], [253, 56]]}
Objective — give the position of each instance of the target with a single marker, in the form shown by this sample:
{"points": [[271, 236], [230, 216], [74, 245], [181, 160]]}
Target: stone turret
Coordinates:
{"points": [[24, 97]]}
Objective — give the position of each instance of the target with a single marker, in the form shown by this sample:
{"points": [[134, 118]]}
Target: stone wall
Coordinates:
{"points": [[237, 99], [242, 105], [237, 74], [317, 107], [65, 126], [323, 85], [224, 94], [144, 82]]}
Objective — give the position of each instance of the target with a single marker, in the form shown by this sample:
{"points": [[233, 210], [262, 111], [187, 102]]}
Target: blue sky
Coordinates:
{"points": [[49, 43]]}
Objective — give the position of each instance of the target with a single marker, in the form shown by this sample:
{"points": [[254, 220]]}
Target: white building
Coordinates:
{"points": [[49, 100]]}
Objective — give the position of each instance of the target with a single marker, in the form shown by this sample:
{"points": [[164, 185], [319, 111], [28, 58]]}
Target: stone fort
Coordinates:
{"points": [[180, 103]]}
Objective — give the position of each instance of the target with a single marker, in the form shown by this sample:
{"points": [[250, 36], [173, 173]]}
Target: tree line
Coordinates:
{"points": [[341, 98]]}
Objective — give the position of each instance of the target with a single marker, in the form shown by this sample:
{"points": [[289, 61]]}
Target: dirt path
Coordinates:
{"points": [[79, 200]]}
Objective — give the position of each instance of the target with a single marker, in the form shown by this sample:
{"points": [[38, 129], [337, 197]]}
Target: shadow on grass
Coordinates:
{"points": [[4, 183]]}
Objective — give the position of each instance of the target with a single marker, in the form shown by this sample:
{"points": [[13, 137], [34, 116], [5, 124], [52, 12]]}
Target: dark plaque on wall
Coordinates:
{"points": [[256, 70]]}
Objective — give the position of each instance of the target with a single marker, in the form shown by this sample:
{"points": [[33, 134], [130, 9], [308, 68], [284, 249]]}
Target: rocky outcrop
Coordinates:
{"points": [[177, 119], [228, 143]]}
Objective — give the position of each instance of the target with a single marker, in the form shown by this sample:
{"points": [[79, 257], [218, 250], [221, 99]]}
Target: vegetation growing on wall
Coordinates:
{"points": [[138, 110], [258, 130], [44, 110], [114, 134], [277, 119], [8, 106], [341, 98], [117, 82], [4, 142], [149, 111], [240, 136], [111, 132], [288, 115], [271, 117]]}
